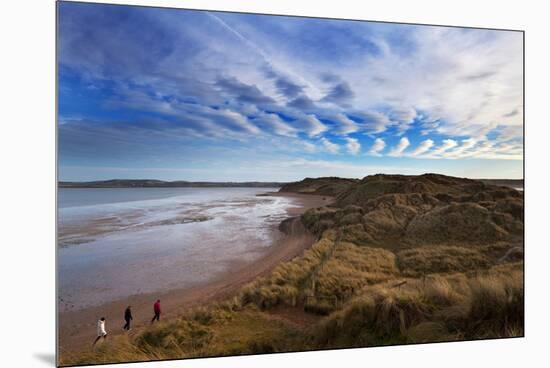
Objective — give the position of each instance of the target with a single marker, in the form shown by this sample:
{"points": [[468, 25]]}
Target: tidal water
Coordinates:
{"points": [[113, 243]]}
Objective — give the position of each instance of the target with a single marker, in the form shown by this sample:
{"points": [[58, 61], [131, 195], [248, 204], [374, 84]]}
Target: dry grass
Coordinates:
{"points": [[496, 306], [357, 234], [437, 309], [208, 332], [447, 307], [421, 261], [351, 268], [325, 277], [329, 186], [288, 280], [458, 222], [317, 220]]}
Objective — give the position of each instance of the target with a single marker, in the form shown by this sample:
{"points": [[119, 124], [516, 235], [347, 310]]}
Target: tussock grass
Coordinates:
{"points": [[496, 307], [357, 234], [206, 332], [429, 332], [324, 278], [440, 259], [187, 336], [115, 349], [352, 267], [457, 222], [287, 281], [329, 186], [436, 309], [317, 220]]}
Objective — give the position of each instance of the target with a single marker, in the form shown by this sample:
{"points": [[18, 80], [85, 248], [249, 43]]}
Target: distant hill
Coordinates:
{"points": [[329, 186], [394, 210], [150, 183], [514, 183], [377, 184]]}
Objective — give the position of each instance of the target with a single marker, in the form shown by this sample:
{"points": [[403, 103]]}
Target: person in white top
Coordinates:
{"points": [[100, 330]]}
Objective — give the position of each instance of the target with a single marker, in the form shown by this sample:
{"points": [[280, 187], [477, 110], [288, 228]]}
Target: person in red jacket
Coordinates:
{"points": [[156, 309]]}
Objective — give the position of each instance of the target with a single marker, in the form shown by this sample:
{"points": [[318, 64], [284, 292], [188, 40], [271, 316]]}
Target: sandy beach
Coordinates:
{"points": [[77, 328]]}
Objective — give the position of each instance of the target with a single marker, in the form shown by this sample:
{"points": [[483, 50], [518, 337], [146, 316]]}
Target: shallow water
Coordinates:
{"points": [[114, 243]]}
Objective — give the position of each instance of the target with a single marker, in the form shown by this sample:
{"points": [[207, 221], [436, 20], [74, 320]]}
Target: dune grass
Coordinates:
{"points": [[288, 281], [390, 310], [438, 308], [216, 331], [420, 261], [347, 271], [325, 277]]}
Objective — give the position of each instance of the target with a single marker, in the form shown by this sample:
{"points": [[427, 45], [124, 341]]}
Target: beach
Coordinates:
{"points": [[77, 324]]}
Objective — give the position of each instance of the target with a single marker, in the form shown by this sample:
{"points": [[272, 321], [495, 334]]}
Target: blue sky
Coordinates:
{"points": [[192, 95]]}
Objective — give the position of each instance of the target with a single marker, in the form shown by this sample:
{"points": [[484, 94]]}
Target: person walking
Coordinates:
{"points": [[128, 318], [101, 332], [156, 309]]}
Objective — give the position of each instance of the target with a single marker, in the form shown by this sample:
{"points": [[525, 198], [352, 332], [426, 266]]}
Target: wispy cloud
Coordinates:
{"points": [[466, 145], [374, 121], [347, 125], [312, 125], [239, 79], [277, 125], [377, 147], [309, 147], [353, 146], [400, 147], [423, 147], [403, 117], [302, 102], [239, 121], [329, 146], [243, 92], [340, 93], [445, 146]]}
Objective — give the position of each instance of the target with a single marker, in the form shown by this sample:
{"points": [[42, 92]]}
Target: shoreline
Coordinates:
{"points": [[76, 329]]}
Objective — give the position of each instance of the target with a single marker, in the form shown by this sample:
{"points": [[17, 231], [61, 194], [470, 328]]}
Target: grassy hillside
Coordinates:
{"points": [[399, 259], [329, 186]]}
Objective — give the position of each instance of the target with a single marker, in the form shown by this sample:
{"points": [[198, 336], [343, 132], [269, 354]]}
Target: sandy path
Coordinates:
{"points": [[77, 328]]}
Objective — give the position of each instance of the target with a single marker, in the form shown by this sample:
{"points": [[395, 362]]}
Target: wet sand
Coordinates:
{"points": [[77, 329]]}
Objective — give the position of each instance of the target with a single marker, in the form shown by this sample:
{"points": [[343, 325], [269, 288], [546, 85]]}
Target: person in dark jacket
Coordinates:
{"points": [[128, 318], [156, 309]]}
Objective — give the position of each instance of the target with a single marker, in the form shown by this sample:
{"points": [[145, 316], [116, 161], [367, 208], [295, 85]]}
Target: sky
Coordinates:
{"points": [[151, 93]]}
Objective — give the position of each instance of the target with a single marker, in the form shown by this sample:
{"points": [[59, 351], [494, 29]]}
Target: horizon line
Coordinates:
{"points": [[264, 181]]}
